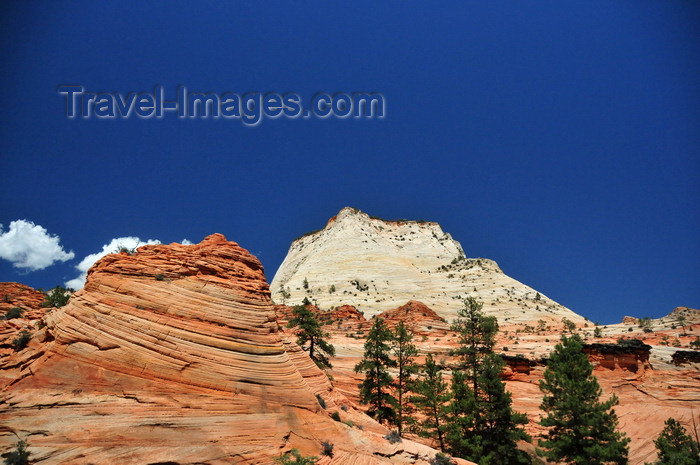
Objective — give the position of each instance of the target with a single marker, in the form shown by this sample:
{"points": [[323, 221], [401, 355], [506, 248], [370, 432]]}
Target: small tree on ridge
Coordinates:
{"points": [[311, 337], [676, 446], [431, 397], [375, 389], [404, 352]]}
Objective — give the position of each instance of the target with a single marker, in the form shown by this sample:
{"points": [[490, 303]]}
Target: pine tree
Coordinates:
{"points": [[404, 352], [476, 339], [483, 426], [19, 456], [57, 297], [500, 426], [311, 337], [682, 320], [676, 446], [374, 390], [431, 397], [582, 430], [461, 410]]}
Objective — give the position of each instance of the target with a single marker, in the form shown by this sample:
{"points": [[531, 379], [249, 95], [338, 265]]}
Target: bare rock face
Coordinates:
{"points": [[416, 316], [20, 311], [20, 296], [631, 356], [376, 265], [173, 355], [347, 313], [519, 368], [685, 314]]}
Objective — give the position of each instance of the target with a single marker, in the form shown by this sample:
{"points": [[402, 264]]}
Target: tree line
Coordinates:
{"points": [[471, 415]]}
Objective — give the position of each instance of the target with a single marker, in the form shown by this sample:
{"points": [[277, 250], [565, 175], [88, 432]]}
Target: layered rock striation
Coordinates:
{"points": [[632, 355], [20, 311], [376, 265], [417, 317], [16, 295], [173, 355]]}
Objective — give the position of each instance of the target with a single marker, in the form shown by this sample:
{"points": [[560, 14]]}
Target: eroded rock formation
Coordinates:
{"points": [[20, 310], [18, 295], [417, 317], [633, 355], [376, 265], [173, 355]]}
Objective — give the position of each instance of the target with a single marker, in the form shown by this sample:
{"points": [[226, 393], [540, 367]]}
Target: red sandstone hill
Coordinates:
{"points": [[346, 319], [18, 295], [173, 355], [28, 300], [346, 313], [418, 318]]}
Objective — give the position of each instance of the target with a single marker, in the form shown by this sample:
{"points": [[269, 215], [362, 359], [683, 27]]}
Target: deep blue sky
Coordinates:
{"points": [[560, 139]]}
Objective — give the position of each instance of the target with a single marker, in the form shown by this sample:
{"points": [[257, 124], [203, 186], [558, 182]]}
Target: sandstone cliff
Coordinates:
{"points": [[173, 355], [376, 265]]}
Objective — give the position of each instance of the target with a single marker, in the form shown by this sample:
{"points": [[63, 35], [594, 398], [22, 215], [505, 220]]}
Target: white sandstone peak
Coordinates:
{"points": [[376, 265]]}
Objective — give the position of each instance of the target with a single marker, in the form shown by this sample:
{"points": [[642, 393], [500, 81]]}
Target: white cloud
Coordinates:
{"points": [[30, 246], [186, 242], [113, 246]]}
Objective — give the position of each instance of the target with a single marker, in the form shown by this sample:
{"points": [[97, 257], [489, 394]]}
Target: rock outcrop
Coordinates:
{"points": [[20, 310], [15, 295], [346, 313], [682, 357], [173, 355], [633, 355], [692, 315], [417, 317], [377, 265]]}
